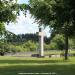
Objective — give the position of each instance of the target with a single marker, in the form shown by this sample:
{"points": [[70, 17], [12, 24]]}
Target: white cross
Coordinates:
{"points": [[41, 42]]}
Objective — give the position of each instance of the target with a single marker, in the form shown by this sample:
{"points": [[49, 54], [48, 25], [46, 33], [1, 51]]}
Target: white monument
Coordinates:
{"points": [[41, 42]]}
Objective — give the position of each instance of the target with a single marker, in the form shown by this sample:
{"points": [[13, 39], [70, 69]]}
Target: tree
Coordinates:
{"points": [[8, 12], [58, 14]]}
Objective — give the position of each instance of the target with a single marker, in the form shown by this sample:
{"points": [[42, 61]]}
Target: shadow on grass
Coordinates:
{"points": [[29, 61], [58, 69]]}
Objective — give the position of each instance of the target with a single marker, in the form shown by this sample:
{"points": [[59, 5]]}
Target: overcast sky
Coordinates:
{"points": [[24, 24]]}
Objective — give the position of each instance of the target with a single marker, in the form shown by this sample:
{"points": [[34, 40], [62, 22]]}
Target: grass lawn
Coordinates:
{"points": [[20, 65]]}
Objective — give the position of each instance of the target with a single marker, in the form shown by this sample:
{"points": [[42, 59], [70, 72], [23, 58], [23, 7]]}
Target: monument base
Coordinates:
{"points": [[37, 55], [41, 56]]}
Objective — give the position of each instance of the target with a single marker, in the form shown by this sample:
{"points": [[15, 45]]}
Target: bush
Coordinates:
{"points": [[58, 42], [30, 46]]}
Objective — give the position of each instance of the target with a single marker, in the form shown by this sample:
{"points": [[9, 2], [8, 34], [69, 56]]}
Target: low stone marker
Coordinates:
{"points": [[55, 55]]}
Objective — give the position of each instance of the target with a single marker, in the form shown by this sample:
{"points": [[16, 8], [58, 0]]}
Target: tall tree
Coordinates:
{"points": [[58, 14]]}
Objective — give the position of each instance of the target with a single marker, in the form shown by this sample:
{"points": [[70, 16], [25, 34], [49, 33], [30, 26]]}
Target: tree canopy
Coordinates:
{"points": [[58, 14], [7, 10]]}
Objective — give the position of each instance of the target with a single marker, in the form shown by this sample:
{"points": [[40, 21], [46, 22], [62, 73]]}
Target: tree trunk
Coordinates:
{"points": [[66, 46]]}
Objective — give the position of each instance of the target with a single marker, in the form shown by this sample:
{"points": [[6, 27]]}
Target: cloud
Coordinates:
{"points": [[25, 25]]}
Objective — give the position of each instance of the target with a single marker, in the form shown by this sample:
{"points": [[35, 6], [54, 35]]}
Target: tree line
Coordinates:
{"points": [[12, 43]]}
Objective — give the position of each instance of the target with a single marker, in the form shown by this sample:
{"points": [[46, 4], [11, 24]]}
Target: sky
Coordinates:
{"points": [[24, 24], [23, 1]]}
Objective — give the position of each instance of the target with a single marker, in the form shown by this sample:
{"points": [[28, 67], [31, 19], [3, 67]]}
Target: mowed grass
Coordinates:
{"points": [[18, 65]]}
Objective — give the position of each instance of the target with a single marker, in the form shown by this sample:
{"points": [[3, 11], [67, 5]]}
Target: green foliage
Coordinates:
{"points": [[71, 43], [7, 47], [51, 46], [2, 28], [59, 40], [30, 46], [7, 11], [58, 14], [56, 43]]}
